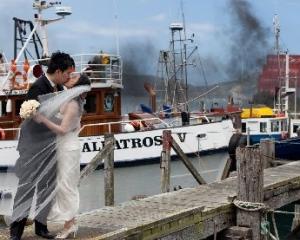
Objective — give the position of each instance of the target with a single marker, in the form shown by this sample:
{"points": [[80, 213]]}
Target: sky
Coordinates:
{"points": [[142, 28]]}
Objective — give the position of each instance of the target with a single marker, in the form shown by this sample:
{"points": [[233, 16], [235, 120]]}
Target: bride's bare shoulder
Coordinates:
{"points": [[70, 106]]}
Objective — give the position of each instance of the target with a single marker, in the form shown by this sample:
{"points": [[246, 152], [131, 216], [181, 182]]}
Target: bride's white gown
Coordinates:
{"points": [[66, 202]]}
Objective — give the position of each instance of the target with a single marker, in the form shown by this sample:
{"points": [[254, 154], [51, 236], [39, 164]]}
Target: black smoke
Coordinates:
{"points": [[249, 43], [139, 62]]}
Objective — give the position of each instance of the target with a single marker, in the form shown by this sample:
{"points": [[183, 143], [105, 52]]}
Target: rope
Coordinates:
{"points": [[250, 206]]}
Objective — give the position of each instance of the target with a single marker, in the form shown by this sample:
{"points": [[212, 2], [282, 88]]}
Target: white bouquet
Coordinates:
{"points": [[29, 108]]}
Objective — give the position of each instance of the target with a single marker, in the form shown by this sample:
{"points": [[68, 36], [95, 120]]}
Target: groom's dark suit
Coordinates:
{"points": [[36, 166]]}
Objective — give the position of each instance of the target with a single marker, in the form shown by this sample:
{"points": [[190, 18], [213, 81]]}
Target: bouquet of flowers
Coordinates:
{"points": [[29, 108]]}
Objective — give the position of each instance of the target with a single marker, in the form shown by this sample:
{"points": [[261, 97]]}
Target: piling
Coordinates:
{"points": [[109, 172], [267, 148], [165, 165]]}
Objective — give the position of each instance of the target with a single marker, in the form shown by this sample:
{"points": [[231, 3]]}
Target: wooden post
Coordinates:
{"points": [[267, 149], [165, 162], [250, 187], [248, 136], [109, 173]]}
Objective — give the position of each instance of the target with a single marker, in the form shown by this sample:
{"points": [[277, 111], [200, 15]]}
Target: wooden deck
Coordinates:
{"points": [[190, 213]]}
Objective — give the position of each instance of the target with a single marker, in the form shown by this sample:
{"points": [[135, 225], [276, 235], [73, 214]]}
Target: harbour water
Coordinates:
{"points": [[144, 180]]}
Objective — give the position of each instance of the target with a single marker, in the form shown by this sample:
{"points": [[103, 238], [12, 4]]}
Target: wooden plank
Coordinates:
{"points": [[226, 170], [187, 162], [94, 163]]}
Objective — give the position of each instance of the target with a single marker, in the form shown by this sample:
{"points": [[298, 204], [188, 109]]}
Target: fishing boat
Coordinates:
{"points": [[278, 124], [137, 140]]}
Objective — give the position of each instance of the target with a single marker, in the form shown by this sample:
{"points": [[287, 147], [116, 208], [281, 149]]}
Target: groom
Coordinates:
{"points": [[34, 168]]}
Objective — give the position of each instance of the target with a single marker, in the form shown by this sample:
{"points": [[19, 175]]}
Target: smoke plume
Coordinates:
{"points": [[249, 43], [138, 63]]}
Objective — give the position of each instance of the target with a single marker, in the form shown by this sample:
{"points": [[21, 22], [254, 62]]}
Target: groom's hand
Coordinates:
{"points": [[38, 117]]}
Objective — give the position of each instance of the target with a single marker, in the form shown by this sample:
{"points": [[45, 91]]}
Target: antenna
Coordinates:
{"points": [[117, 27], [276, 32], [184, 60]]}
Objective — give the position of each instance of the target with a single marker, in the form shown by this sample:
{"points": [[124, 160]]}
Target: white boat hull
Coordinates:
{"points": [[141, 145]]}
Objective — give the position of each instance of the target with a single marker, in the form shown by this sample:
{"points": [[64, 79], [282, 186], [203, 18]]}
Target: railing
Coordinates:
{"points": [[109, 124], [101, 68], [123, 123]]}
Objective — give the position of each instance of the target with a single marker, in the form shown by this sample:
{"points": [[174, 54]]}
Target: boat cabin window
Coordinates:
{"points": [[18, 104], [263, 127], [243, 127], [90, 104], [275, 126], [109, 101], [3, 108], [295, 128]]}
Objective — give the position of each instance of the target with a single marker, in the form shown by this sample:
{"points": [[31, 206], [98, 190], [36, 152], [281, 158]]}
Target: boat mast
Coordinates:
{"points": [[176, 45], [285, 90], [185, 60], [277, 104], [40, 6], [116, 27], [40, 24]]}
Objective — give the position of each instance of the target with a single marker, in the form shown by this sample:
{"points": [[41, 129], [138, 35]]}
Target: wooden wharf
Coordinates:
{"points": [[234, 208], [190, 213]]}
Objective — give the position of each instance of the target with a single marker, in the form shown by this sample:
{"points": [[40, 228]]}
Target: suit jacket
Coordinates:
{"points": [[35, 137], [41, 86]]}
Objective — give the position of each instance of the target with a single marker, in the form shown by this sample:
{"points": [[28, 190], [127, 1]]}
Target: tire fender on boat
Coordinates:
{"points": [[233, 144], [2, 134]]}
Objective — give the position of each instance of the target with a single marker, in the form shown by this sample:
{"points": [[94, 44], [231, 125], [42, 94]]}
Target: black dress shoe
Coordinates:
{"points": [[16, 229], [14, 238], [44, 234], [42, 230]]}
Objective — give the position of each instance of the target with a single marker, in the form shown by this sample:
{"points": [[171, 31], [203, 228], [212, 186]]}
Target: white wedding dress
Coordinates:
{"points": [[65, 204]]}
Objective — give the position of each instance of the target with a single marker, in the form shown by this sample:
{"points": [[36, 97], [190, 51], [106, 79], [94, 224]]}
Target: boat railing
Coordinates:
{"points": [[101, 69], [159, 123]]}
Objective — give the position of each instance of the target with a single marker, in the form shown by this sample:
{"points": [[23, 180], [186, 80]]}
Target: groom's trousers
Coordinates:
{"points": [[36, 186]]}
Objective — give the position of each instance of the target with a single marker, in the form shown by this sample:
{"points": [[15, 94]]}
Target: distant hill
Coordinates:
{"points": [[240, 91]]}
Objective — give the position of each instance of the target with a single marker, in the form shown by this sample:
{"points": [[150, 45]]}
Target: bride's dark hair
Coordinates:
{"points": [[83, 80]]}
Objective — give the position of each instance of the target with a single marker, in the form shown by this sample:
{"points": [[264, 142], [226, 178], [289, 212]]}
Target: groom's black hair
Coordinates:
{"points": [[83, 80], [60, 61]]}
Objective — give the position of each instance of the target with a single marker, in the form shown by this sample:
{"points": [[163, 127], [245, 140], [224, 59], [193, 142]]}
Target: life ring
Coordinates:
{"points": [[18, 86], [136, 124], [14, 84], [2, 134]]}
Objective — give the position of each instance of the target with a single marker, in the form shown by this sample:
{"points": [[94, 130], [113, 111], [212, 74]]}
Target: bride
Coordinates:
{"points": [[66, 124]]}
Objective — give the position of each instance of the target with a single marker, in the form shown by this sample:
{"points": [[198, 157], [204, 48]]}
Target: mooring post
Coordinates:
{"points": [[250, 188], [267, 148], [165, 162], [109, 172]]}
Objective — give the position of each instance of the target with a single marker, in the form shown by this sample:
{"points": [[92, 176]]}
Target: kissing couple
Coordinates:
{"points": [[48, 167]]}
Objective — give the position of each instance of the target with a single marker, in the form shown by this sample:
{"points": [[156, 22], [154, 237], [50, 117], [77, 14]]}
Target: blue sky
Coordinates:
{"points": [[92, 26]]}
